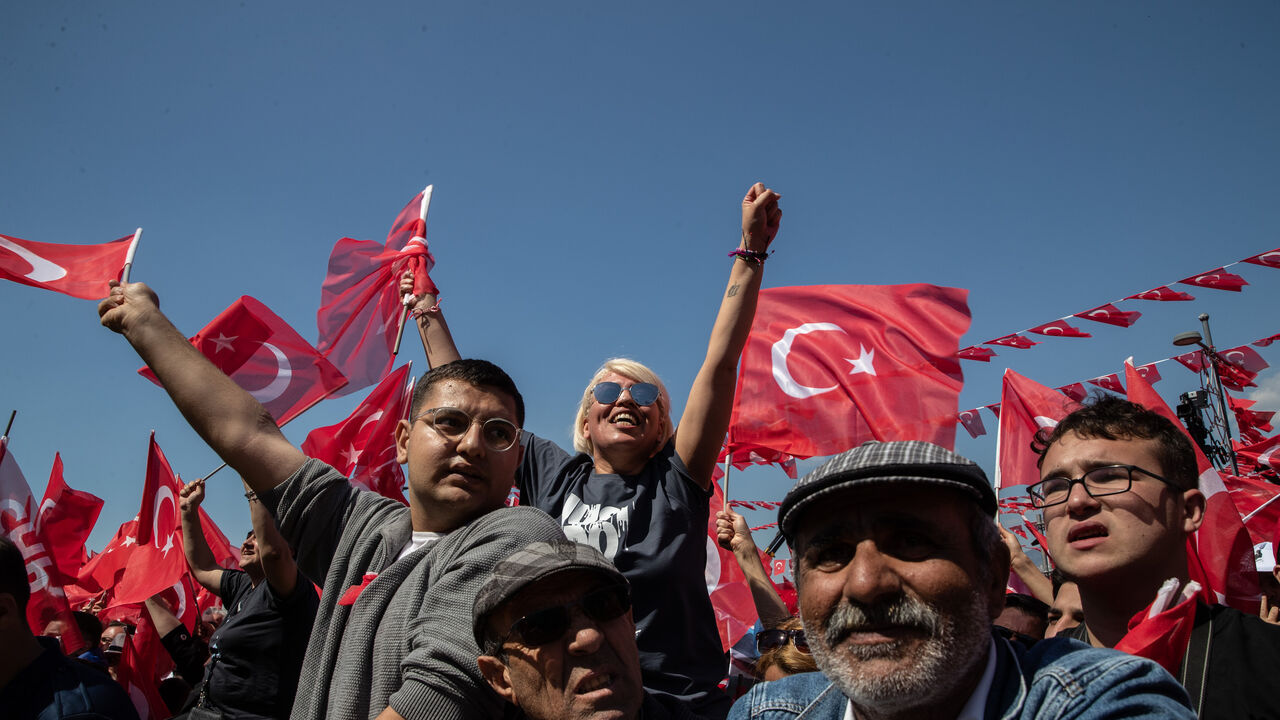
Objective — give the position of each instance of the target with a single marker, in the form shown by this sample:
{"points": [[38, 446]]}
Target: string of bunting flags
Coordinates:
{"points": [[1108, 313]]}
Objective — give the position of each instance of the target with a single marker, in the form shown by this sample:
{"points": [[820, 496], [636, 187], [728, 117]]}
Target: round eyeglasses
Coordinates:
{"points": [[499, 434], [642, 393], [1098, 482]]}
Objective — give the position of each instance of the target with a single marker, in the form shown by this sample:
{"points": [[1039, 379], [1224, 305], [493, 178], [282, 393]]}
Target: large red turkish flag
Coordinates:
{"points": [[1220, 551], [363, 446], [157, 560], [264, 355], [81, 271], [18, 523], [1025, 407], [66, 519], [829, 367], [360, 299], [730, 597]]}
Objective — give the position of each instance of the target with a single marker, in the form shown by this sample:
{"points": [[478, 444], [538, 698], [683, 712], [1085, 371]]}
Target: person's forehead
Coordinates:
{"points": [[482, 400], [899, 505], [1074, 452], [558, 589]]}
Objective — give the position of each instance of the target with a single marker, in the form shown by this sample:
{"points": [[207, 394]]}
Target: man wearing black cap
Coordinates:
{"points": [[900, 570], [554, 626]]}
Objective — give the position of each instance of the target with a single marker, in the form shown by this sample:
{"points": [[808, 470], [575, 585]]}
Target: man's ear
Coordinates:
{"points": [[999, 580], [498, 676], [1193, 503], [402, 441]]}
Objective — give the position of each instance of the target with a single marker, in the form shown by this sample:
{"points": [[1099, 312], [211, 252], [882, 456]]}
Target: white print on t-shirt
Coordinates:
{"points": [[601, 526]]}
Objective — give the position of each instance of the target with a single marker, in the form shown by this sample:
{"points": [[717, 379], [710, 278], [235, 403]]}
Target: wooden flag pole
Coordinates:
{"points": [[128, 258], [408, 300]]}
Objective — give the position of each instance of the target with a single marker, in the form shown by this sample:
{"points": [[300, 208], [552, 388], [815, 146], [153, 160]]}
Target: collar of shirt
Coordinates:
{"points": [[419, 539], [977, 704]]}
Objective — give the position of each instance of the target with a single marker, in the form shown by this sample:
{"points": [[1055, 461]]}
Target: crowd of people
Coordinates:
{"points": [[588, 599]]}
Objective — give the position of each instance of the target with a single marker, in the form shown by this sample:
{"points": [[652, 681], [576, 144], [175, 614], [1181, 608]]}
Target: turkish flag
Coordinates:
{"points": [[1246, 418], [137, 673], [1256, 499], [1040, 539], [1193, 361], [1246, 358], [1014, 341], [1075, 391], [1266, 341], [1060, 328], [1220, 550], [1218, 279], [727, 586], [745, 456], [48, 601], [1162, 637], [264, 355], [1261, 455], [81, 271], [1026, 408], [1108, 382], [66, 518], [973, 352], [1270, 258], [1164, 293], [972, 422], [994, 408], [1149, 372], [360, 299], [829, 367], [156, 560], [1111, 315], [363, 446]]}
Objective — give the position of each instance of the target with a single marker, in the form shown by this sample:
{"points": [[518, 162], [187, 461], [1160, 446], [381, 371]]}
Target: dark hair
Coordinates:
{"points": [[89, 624], [1057, 578], [1027, 604], [13, 574], [480, 373], [1113, 418]]}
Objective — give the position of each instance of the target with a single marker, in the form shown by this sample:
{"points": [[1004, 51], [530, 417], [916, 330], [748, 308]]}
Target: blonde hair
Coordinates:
{"points": [[786, 657], [630, 369]]}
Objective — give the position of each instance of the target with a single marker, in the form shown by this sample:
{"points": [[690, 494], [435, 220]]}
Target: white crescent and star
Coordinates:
{"points": [[222, 342], [164, 491], [864, 363], [41, 270], [1271, 258], [284, 376], [1239, 363]]}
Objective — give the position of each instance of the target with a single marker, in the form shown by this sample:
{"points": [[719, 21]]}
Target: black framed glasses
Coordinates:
{"points": [[1098, 482], [499, 434], [774, 639], [550, 624], [642, 393]]}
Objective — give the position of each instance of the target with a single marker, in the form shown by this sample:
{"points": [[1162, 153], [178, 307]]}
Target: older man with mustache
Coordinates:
{"points": [[900, 571]]}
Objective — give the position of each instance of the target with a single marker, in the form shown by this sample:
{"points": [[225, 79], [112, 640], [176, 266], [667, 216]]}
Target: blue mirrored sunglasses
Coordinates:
{"points": [[642, 393]]}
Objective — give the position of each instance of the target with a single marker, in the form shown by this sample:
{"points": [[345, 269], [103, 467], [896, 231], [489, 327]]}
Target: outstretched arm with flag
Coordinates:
{"points": [[225, 416]]}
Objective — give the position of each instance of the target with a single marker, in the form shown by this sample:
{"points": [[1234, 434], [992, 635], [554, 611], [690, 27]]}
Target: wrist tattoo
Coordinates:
{"points": [[733, 290]]}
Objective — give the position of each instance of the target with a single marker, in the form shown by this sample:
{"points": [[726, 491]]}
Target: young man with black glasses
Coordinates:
{"points": [[557, 638], [1119, 492]]}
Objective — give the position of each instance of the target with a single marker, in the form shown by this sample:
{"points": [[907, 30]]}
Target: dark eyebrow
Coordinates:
{"points": [[883, 521]]}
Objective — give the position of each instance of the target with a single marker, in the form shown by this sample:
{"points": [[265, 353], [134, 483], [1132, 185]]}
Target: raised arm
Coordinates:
{"points": [[227, 417], [277, 560], [437, 341], [1040, 586], [734, 535], [706, 415], [200, 558]]}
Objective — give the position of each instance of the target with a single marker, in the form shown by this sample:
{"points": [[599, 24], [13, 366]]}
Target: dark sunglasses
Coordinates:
{"points": [[545, 626], [642, 393], [1015, 636], [774, 639]]}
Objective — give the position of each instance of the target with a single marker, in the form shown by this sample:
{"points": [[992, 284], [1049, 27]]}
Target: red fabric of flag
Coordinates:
{"points": [[264, 355], [1026, 407], [1193, 361], [1257, 501], [157, 560], [81, 271], [1111, 315], [48, 601], [1218, 279], [974, 352], [66, 519], [1162, 637], [1221, 545], [1075, 391], [363, 446], [1259, 456], [1266, 341], [730, 597], [1060, 328], [827, 368], [1014, 341], [136, 671], [1108, 382], [1270, 258], [360, 299], [1149, 373], [1164, 293], [972, 422]]}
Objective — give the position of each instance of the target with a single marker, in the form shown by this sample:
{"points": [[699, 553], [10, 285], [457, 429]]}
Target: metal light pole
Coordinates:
{"points": [[1215, 382]]}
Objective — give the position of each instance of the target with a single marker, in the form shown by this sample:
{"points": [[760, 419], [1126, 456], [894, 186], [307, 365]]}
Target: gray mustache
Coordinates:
{"points": [[904, 611]]}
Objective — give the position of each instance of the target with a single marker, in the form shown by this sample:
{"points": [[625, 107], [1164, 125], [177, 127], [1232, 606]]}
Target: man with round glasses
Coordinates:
{"points": [[391, 638], [554, 625], [1119, 492]]}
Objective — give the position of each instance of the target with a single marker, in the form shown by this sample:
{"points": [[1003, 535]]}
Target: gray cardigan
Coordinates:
{"points": [[406, 642]]}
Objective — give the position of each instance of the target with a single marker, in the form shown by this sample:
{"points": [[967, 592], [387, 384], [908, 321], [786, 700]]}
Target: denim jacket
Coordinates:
{"points": [[1057, 678]]}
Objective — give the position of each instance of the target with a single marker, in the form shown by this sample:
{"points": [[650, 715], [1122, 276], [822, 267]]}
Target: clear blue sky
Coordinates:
{"points": [[588, 162]]}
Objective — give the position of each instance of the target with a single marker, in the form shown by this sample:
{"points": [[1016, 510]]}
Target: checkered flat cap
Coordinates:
{"points": [[531, 563], [886, 463]]}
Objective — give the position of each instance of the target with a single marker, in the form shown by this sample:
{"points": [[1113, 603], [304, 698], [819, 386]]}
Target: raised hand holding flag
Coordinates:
{"points": [[82, 271]]}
